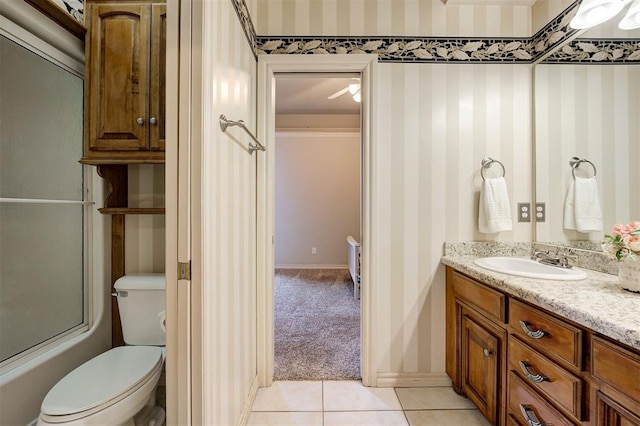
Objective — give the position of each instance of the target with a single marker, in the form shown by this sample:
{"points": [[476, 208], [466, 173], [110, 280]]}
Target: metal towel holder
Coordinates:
{"points": [[224, 123], [487, 162], [575, 163]]}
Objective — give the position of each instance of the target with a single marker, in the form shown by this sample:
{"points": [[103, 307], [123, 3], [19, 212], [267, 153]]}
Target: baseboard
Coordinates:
{"points": [[246, 410], [412, 380], [312, 266]]}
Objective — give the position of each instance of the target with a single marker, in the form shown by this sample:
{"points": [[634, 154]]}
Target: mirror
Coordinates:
{"points": [[588, 106]]}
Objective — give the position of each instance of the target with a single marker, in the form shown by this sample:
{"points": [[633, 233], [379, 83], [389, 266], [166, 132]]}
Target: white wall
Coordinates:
{"points": [[599, 124], [435, 124], [317, 197]]}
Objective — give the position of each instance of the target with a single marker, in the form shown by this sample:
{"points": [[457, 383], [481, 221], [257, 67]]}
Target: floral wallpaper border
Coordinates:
{"points": [[446, 49], [597, 51], [75, 8]]}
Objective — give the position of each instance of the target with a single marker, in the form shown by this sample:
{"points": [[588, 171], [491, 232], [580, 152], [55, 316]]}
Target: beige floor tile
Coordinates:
{"points": [[441, 398], [368, 418], [289, 396], [446, 418], [353, 396], [289, 418]]}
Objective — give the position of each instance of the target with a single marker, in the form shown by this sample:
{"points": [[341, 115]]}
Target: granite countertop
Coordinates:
{"points": [[597, 302]]}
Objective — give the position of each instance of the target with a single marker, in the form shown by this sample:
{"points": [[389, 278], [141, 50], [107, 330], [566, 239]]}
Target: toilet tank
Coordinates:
{"points": [[142, 304]]}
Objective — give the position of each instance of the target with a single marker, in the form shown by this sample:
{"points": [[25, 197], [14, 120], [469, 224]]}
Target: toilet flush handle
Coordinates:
{"points": [[163, 320]]}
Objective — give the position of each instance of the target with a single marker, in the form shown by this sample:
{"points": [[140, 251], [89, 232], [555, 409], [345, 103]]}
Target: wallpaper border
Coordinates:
{"points": [[409, 49]]}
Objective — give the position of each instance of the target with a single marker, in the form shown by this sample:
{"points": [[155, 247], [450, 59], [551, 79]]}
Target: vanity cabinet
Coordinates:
{"points": [[522, 365], [475, 343], [125, 82]]}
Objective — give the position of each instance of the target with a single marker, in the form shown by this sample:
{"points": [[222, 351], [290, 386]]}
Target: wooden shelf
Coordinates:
{"points": [[131, 210], [115, 161]]}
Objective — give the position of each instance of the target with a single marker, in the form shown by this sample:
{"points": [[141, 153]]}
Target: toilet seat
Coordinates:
{"points": [[103, 382]]}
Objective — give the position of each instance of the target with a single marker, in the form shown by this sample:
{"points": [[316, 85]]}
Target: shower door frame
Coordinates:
{"points": [[268, 67]]}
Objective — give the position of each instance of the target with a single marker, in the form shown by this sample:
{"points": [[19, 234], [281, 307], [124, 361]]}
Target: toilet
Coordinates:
{"points": [[118, 387]]}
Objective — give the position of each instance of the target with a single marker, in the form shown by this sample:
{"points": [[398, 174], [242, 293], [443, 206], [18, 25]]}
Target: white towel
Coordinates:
{"points": [[582, 206], [494, 214]]}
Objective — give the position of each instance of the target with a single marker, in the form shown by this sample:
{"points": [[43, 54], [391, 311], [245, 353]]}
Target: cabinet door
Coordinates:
{"points": [[158, 67], [610, 413], [480, 359], [118, 60]]}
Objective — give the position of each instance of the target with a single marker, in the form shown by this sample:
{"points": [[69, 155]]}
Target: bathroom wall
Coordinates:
{"points": [[600, 124], [145, 234], [317, 197], [389, 18], [542, 11], [224, 212], [435, 124]]}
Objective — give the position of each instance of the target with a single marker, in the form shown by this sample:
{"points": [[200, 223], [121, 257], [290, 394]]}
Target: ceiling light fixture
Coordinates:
{"points": [[631, 20], [594, 12], [354, 90]]}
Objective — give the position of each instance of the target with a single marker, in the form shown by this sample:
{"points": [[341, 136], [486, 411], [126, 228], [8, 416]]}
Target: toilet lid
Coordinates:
{"points": [[102, 379]]}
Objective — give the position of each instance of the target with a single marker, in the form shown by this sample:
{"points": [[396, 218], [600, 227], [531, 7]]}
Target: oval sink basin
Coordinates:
{"points": [[525, 267]]}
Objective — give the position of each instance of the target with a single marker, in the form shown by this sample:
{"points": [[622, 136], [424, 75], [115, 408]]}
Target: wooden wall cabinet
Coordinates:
{"points": [[125, 82], [522, 365]]}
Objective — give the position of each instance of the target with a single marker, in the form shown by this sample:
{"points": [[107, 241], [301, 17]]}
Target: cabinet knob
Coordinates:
{"points": [[487, 352], [140, 121], [153, 120]]}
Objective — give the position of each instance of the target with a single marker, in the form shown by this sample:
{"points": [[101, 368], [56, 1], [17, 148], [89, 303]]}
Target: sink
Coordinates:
{"points": [[525, 267]]}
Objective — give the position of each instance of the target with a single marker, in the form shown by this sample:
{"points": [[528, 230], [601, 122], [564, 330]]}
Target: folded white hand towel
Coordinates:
{"points": [[494, 213], [582, 210], [570, 206]]}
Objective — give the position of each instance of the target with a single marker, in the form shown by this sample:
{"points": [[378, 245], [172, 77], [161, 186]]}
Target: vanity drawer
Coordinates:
{"points": [[486, 300], [546, 333], [616, 366], [525, 401], [560, 386]]}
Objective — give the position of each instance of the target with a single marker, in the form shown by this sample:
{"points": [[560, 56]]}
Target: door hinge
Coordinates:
{"points": [[184, 271]]}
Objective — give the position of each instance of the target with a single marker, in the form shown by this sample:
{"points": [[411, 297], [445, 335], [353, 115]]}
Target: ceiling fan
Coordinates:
{"points": [[353, 89]]}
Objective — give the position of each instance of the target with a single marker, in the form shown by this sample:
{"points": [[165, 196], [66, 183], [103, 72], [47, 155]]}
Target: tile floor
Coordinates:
{"points": [[332, 403]]}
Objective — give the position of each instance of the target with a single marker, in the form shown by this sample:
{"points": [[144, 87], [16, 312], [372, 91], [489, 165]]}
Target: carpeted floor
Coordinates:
{"points": [[317, 325]]}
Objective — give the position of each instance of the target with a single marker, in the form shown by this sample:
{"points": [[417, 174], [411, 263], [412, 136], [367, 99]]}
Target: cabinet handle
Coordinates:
{"points": [[530, 416], [140, 121], [538, 334], [487, 352], [531, 375], [153, 120]]}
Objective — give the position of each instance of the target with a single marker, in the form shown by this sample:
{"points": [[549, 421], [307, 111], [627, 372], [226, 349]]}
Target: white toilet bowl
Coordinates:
{"points": [[110, 389]]}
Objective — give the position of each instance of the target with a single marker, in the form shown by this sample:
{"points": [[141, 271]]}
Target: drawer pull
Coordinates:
{"points": [[530, 416], [487, 352], [538, 334], [531, 375]]}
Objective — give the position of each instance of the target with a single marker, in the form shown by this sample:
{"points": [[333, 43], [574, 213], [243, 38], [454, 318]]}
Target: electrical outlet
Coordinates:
{"points": [[524, 212], [314, 250], [541, 212]]}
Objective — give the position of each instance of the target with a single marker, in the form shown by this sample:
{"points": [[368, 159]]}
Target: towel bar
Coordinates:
{"points": [[487, 162], [575, 163]]}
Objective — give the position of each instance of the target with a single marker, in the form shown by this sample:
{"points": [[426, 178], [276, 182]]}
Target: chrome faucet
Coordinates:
{"points": [[546, 258], [560, 260]]}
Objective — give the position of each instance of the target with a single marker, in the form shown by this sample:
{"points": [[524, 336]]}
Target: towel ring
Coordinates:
{"points": [[487, 162], [575, 163]]}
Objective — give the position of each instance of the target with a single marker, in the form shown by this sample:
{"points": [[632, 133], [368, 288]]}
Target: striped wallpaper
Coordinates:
{"points": [[388, 18], [600, 124], [227, 236], [437, 123]]}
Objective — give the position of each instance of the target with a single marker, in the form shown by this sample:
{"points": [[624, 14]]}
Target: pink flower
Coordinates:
{"points": [[618, 229]]}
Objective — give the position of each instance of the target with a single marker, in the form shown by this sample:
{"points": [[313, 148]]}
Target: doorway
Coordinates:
{"points": [[269, 68], [317, 207]]}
